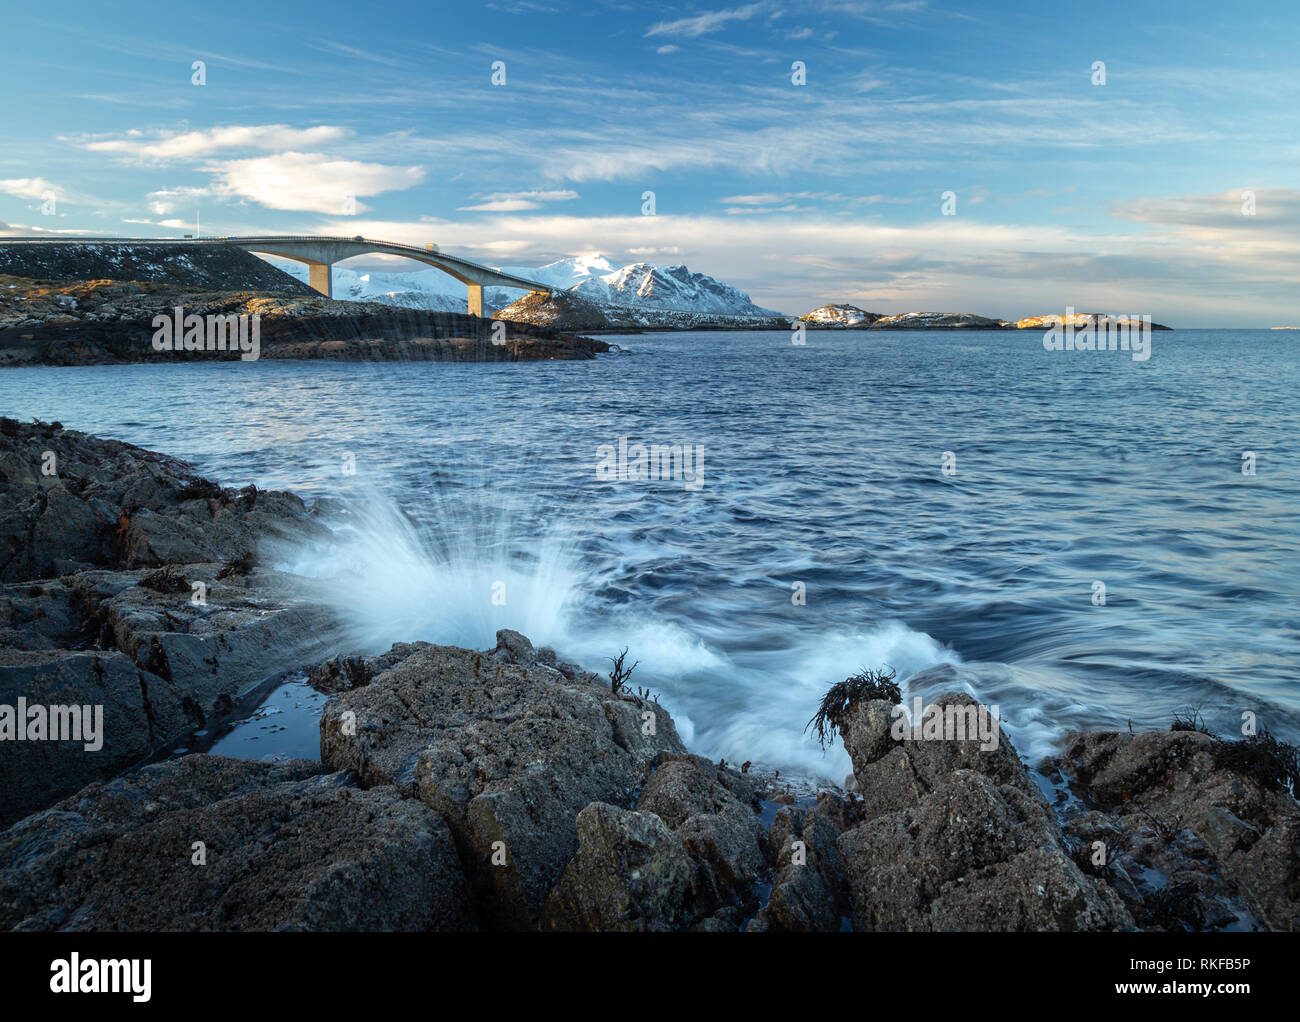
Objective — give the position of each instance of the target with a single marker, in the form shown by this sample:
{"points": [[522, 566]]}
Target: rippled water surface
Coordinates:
{"points": [[822, 465]]}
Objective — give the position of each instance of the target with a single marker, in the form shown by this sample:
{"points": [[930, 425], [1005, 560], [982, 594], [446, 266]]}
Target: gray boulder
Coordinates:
{"points": [[283, 847], [957, 836], [72, 501], [101, 544], [1179, 807], [713, 811], [631, 873], [971, 855], [135, 644], [508, 754]]}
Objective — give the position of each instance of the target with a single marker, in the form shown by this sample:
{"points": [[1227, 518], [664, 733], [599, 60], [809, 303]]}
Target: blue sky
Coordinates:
{"points": [[382, 119]]}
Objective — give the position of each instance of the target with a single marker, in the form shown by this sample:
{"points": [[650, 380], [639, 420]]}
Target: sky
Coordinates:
{"points": [[1124, 157]]}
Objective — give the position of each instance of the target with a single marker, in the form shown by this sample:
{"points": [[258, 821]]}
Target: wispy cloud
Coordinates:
{"points": [[188, 145], [702, 24], [510, 202]]}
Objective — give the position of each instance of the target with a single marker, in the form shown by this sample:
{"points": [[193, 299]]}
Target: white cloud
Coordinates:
{"points": [[502, 206], [26, 230], [27, 187], [190, 145], [311, 182]]}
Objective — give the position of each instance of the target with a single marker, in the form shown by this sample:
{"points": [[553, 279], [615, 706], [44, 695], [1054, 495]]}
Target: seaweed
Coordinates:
{"points": [[619, 676], [198, 488], [1270, 762], [867, 684], [241, 565], [1190, 719], [1174, 907], [166, 580]]}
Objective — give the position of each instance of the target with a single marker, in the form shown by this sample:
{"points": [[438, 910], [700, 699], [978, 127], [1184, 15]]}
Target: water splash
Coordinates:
{"points": [[453, 578]]}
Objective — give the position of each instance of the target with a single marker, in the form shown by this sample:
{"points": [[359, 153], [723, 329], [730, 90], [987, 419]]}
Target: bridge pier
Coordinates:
{"points": [[476, 307], [320, 278]]}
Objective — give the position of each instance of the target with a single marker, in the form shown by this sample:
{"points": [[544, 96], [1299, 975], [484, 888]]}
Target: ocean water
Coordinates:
{"points": [[822, 464]]}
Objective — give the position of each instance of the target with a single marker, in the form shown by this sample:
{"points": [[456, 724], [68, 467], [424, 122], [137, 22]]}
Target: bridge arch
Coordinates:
{"points": [[321, 253]]}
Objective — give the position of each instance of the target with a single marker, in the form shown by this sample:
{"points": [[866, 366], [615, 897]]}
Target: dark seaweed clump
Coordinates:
{"points": [[165, 580], [836, 702], [1274, 764], [1269, 761]]}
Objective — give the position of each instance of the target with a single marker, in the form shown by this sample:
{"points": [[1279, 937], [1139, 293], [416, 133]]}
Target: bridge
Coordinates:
{"points": [[320, 253]]}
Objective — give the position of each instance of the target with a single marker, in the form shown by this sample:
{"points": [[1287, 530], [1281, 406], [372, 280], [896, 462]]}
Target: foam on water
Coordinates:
{"points": [[390, 578]]}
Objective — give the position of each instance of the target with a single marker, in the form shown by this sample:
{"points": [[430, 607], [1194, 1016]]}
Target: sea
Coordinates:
{"points": [[1096, 541]]}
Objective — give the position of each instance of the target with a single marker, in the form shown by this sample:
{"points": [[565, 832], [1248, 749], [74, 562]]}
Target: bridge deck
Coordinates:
{"points": [[364, 246]]}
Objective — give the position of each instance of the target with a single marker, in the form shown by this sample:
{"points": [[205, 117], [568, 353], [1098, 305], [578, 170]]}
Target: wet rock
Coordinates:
{"points": [[894, 774], [132, 707], [508, 754], [355, 670], [810, 887], [73, 501], [971, 854], [158, 611], [158, 664], [1203, 842], [513, 648], [841, 811], [286, 847], [954, 828], [686, 858], [631, 873], [714, 812]]}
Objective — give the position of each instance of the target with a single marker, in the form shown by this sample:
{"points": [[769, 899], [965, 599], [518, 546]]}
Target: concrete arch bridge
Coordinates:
{"points": [[321, 253]]}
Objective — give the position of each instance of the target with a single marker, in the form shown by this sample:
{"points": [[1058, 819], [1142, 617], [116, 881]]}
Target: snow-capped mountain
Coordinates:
{"points": [[418, 289], [668, 287], [641, 286], [565, 273]]}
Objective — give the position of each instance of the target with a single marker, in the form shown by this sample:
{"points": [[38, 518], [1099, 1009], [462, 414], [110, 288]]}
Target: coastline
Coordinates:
{"points": [[432, 755], [99, 322]]}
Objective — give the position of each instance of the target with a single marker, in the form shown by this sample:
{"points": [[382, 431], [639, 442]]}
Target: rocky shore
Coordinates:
{"points": [[95, 322], [504, 788], [850, 317]]}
